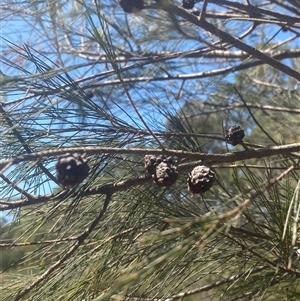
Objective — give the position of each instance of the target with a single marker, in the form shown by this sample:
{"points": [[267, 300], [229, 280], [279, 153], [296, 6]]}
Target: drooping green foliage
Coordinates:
{"points": [[113, 86]]}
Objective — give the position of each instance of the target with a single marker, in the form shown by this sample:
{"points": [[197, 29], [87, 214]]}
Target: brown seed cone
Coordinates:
{"points": [[150, 164], [188, 4], [152, 161], [131, 6], [234, 135], [71, 169], [200, 179], [165, 174]]}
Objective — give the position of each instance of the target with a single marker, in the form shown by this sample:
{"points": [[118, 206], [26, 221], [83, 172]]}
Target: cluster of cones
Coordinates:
{"points": [[72, 169], [164, 173]]}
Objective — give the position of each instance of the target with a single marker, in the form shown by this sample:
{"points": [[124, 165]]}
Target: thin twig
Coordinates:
{"points": [[253, 117], [236, 42], [251, 166], [16, 187], [24, 143], [138, 113], [103, 189], [205, 74]]}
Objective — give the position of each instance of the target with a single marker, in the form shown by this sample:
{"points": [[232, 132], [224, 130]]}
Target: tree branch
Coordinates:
{"points": [[207, 157]]}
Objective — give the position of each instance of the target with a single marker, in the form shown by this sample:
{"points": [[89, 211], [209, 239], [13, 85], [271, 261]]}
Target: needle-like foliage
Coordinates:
{"points": [[89, 89]]}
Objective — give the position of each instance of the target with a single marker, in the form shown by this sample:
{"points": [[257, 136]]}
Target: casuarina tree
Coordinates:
{"points": [[149, 150]]}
